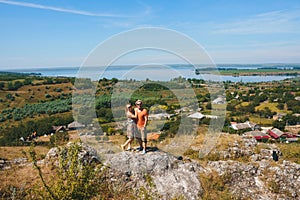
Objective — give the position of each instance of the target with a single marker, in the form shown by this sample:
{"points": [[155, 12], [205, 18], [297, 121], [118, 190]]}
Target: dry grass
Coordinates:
{"points": [[226, 140], [10, 153], [215, 186], [24, 177]]}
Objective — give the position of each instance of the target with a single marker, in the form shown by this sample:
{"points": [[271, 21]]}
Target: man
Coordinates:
{"points": [[142, 119]]}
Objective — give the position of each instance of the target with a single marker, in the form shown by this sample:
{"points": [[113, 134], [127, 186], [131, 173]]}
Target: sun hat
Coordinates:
{"points": [[138, 102]]}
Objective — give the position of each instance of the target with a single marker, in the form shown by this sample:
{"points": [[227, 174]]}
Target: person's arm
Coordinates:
{"points": [[133, 115], [146, 118]]}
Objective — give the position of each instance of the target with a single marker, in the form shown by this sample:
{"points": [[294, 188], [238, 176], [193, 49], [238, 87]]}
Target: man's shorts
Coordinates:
{"points": [[142, 133]]}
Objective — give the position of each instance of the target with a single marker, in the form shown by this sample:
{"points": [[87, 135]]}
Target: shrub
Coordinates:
{"points": [[76, 179], [10, 97], [57, 89], [59, 138], [215, 186]]}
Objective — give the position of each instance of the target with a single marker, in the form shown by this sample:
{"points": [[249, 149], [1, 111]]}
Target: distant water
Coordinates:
{"points": [[150, 72]]}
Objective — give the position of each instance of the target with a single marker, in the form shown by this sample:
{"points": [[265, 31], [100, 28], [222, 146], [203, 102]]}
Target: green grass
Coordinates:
{"points": [[261, 120], [290, 151], [271, 106]]}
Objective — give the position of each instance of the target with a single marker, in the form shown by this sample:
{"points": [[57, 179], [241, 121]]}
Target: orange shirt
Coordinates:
{"points": [[141, 115]]}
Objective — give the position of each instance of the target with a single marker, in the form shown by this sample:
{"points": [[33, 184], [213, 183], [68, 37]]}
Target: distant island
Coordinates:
{"points": [[251, 70]]}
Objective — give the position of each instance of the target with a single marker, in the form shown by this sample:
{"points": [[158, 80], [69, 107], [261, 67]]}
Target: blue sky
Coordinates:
{"points": [[63, 32]]}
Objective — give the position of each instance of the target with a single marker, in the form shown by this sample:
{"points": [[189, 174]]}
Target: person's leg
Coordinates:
{"points": [[139, 138], [130, 135], [144, 139], [128, 142], [141, 144]]}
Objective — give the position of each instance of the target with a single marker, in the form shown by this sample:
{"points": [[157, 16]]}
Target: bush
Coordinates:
{"points": [[57, 89], [10, 97], [59, 138], [77, 179]]}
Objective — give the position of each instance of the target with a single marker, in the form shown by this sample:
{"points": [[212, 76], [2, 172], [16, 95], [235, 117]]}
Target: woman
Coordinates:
{"points": [[131, 127]]}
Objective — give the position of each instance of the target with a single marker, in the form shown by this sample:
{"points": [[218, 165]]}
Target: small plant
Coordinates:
{"points": [[77, 178], [59, 138], [47, 95], [275, 187], [215, 186], [57, 89]]}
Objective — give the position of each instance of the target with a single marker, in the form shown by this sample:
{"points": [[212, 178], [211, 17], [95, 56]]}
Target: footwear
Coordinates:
{"points": [[144, 151], [122, 147], [139, 149], [128, 149]]}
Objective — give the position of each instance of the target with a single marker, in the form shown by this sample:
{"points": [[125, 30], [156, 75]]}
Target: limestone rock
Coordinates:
{"points": [[86, 154], [169, 176]]}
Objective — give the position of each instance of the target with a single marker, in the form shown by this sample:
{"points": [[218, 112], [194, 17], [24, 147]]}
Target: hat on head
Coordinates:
{"points": [[138, 102]]}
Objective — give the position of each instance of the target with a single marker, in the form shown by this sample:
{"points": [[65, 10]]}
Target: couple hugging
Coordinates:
{"points": [[137, 120]]}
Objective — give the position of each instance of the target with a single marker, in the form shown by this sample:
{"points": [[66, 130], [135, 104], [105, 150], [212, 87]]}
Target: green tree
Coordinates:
{"points": [[2, 85], [279, 124]]}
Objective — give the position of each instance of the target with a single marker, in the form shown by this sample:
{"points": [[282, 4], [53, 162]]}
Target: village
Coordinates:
{"points": [[250, 129]]}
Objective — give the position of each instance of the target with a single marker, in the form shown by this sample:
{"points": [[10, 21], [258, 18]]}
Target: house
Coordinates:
{"points": [[212, 116], [296, 114], [278, 116], [293, 128], [58, 128], [258, 135], [265, 129], [245, 125], [75, 125], [196, 115], [275, 133], [159, 116], [219, 100], [293, 139], [183, 109]]}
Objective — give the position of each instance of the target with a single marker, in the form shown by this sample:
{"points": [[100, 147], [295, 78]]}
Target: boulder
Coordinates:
{"points": [[158, 172]]}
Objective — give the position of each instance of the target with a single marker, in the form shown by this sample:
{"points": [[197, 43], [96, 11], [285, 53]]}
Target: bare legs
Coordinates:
{"points": [[128, 142]]}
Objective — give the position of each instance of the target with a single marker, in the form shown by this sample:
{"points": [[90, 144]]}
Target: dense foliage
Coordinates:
{"points": [[29, 110], [13, 135]]}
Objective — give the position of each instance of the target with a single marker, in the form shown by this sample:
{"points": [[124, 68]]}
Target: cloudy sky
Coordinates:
{"points": [[56, 33]]}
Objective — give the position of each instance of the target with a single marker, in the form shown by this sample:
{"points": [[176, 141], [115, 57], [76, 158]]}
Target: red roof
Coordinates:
{"points": [[272, 134], [258, 135], [275, 133]]}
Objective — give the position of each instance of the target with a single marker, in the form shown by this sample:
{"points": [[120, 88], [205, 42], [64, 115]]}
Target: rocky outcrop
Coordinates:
{"points": [[2, 163], [259, 176], [86, 154], [260, 180], [249, 172], [7, 164], [160, 173]]}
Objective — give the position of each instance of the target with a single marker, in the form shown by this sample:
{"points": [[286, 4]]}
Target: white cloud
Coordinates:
{"points": [[58, 9], [271, 22]]}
